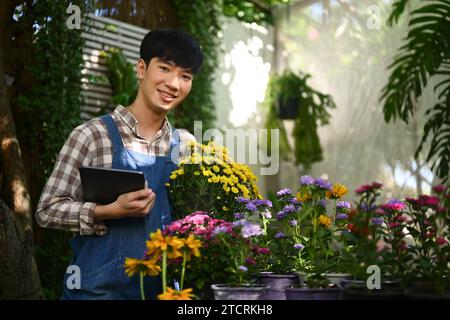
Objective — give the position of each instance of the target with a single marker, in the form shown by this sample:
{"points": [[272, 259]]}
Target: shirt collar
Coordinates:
{"points": [[132, 122]]}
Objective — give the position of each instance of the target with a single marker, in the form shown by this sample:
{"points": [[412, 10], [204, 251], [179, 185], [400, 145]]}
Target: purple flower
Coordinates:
{"points": [[259, 203], [377, 221], [243, 268], [341, 216], [298, 246], [220, 229], [241, 222], [293, 222], [294, 201], [289, 208], [250, 207], [251, 230], [281, 215], [343, 206], [323, 184], [242, 200], [322, 203], [284, 192], [267, 214], [279, 235], [239, 216], [306, 180]]}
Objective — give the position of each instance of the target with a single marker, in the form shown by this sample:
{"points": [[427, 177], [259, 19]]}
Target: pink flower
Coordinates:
{"points": [[197, 217], [441, 209], [429, 201], [364, 188], [441, 241], [440, 188], [401, 218], [394, 224], [174, 227], [394, 205], [377, 185], [380, 211]]}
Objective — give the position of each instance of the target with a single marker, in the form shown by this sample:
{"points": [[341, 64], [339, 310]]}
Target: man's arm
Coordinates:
{"points": [[60, 205]]}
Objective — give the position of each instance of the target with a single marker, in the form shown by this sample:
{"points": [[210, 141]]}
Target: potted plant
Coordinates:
{"points": [[276, 261], [288, 96], [375, 240], [228, 261], [428, 221], [208, 180]]}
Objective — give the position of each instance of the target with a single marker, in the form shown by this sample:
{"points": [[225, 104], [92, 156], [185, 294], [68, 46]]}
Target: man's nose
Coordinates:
{"points": [[172, 82]]}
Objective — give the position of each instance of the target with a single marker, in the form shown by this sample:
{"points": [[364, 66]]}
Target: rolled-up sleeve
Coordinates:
{"points": [[61, 205]]}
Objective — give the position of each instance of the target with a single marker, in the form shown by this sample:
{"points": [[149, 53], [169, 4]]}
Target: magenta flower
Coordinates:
{"points": [[441, 241], [363, 189], [394, 205], [429, 201], [440, 188]]}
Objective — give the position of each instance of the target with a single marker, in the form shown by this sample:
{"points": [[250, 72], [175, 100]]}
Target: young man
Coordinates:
{"points": [[139, 138]]}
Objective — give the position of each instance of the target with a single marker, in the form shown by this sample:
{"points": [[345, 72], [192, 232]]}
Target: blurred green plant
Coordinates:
{"points": [[425, 54], [121, 76], [312, 111]]}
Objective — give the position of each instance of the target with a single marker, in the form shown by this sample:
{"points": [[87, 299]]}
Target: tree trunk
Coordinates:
{"points": [[19, 278]]}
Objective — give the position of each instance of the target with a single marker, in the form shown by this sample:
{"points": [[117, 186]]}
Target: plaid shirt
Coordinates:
{"points": [[61, 205]]}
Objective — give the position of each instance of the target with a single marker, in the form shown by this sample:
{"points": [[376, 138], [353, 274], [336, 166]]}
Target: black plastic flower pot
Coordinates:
{"points": [[288, 109]]}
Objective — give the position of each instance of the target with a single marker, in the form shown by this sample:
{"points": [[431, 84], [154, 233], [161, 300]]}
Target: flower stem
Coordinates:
{"points": [[183, 270], [164, 267], [142, 285]]}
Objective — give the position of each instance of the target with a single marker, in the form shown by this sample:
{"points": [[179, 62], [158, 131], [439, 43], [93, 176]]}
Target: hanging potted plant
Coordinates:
{"points": [[289, 97]]}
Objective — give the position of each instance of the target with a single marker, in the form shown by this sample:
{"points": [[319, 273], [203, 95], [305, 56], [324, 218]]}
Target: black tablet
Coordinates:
{"points": [[103, 185]]}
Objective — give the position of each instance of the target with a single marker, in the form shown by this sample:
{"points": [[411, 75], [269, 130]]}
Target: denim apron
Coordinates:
{"points": [[101, 258]]}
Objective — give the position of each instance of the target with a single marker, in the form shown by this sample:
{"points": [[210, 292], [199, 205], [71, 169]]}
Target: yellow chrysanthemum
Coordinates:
{"points": [[196, 173], [180, 171], [338, 191], [157, 242], [216, 168], [193, 244], [173, 176], [234, 190], [175, 245], [324, 220], [215, 179], [303, 196]]}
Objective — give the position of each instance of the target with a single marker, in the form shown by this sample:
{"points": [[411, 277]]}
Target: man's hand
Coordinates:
{"points": [[133, 204]]}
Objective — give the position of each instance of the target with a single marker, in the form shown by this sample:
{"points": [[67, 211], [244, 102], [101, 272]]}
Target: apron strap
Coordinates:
{"points": [[113, 131]]}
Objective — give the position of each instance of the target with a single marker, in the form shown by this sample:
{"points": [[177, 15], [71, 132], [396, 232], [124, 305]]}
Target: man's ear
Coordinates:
{"points": [[140, 69]]}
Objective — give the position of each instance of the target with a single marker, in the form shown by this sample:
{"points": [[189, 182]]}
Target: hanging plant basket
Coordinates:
{"points": [[288, 108]]}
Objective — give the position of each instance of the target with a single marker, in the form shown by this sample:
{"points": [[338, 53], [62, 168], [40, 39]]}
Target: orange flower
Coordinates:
{"points": [[303, 196], [338, 191], [324, 220], [172, 294], [147, 267], [193, 244]]}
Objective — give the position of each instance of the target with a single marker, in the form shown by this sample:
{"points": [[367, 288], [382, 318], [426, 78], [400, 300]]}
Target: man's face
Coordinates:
{"points": [[164, 85]]}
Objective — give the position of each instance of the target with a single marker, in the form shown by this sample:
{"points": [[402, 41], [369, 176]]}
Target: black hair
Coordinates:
{"points": [[172, 45]]}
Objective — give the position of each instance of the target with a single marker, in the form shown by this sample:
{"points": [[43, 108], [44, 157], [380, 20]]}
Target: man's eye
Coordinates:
{"points": [[187, 77], [164, 68]]}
